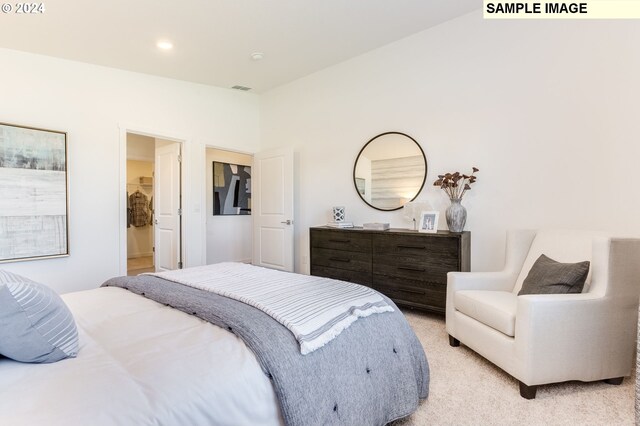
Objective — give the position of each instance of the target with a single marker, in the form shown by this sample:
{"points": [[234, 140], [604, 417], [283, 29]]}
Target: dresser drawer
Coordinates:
{"points": [[415, 245], [341, 240], [417, 268], [342, 274], [430, 295], [409, 267], [349, 260]]}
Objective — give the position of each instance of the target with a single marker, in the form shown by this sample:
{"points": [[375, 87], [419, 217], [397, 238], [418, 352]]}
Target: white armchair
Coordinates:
{"points": [[550, 338]]}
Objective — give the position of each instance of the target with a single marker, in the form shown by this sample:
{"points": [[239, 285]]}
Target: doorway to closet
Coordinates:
{"points": [[153, 200], [229, 225]]}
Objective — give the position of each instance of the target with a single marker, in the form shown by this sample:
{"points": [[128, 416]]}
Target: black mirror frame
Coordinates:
{"points": [[424, 157]]}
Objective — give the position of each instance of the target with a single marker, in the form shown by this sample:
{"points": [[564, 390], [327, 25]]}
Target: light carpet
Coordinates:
{"points": [[466, 389]]}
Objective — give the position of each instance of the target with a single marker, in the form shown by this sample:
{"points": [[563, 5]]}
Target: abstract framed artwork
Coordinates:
{"points": [[231, 189], [34, 207]]}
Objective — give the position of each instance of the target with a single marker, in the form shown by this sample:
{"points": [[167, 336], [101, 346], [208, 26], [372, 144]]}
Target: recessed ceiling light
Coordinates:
{"points": [[164, 45], [257, 56]]}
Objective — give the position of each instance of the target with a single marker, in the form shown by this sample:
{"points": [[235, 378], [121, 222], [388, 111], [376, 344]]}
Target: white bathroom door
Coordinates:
{"points": [[167, 208], [272, 209]]}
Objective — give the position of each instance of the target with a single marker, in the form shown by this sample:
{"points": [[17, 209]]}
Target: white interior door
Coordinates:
{"points": [[167, 207], [272, 209]]}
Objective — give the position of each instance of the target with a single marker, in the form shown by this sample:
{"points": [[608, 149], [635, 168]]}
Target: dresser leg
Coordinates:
{"points": [[453, 341]]}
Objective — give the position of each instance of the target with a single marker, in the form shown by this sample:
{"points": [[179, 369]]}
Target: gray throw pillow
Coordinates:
{"points": [[550, 277], [35, 324]]}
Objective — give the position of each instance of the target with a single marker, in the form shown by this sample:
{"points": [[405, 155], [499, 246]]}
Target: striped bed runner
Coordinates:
{"points": [[314, 309]]}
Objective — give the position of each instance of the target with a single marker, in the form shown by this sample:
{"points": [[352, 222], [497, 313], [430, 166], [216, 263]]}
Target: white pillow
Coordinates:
{"points": [[35, 324]]}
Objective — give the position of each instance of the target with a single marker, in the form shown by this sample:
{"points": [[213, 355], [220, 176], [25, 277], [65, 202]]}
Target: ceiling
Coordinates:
{"points": [[214, 39]]}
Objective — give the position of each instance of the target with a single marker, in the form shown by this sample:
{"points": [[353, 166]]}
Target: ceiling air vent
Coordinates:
{"points": [[243, 88]]}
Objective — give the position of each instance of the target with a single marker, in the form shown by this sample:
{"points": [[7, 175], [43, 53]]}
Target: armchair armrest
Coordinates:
{"points": [[496, 281], [551, 316], [568, 336], [518, 244]]}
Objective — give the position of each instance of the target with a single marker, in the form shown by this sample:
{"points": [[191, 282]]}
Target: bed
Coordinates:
{"points": [[157, 352]]}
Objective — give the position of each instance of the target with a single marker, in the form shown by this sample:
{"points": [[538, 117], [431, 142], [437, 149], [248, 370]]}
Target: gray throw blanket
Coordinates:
{"points": [[373, 373]]}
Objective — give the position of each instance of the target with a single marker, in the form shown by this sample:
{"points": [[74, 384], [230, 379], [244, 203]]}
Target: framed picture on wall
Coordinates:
{"points": [[429, 222], [231, 189], [34, 206]]}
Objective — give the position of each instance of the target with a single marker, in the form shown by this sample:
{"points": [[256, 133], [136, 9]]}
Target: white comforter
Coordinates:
{"points": [[140, 363]]}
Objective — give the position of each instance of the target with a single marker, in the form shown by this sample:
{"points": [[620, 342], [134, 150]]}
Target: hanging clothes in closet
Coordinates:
{"points": [[140, 215], [151, 211], [128, 211]]}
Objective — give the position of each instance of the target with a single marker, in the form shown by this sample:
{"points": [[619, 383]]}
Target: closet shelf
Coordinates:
{"points": [[146, 180]]}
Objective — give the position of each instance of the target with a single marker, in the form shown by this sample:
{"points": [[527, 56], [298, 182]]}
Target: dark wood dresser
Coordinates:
{"points": [[407, 266]]}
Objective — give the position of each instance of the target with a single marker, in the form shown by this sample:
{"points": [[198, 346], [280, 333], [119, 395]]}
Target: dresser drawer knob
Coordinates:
{"points": [[412, 268], [411, 247], [340, 259]]}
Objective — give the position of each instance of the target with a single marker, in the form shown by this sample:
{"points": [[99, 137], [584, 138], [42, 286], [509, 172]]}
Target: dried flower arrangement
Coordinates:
{"points": [[456, 184]]}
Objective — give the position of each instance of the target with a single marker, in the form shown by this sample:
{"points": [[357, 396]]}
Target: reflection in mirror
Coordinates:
{"points": [[390, 171]]}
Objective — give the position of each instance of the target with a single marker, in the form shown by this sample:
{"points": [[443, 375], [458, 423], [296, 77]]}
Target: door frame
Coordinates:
{"points": [[122, 187], [203, 195]]}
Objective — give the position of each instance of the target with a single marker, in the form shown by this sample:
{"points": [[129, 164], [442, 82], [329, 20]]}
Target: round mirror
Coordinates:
{"points": [[390, 171]]}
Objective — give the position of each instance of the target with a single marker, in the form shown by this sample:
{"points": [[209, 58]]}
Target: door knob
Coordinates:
{"points": [[287, 222]]}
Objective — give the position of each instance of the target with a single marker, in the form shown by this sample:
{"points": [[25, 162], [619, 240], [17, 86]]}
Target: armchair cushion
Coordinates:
{"points": [[550, 277], [495, 309]]}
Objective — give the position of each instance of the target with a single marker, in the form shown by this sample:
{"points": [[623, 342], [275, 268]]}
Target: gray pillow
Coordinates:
{"points": [[35, 324], [550, 277]]}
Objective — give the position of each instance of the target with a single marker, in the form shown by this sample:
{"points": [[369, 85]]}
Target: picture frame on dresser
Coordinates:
{"points": [[429, 222]]}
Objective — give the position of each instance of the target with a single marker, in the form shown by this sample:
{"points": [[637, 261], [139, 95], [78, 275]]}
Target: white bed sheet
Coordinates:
{"points": [[140, 363]]}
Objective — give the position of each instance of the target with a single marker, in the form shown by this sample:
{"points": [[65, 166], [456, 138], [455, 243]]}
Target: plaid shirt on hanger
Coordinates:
{"points": [[139, 209]]}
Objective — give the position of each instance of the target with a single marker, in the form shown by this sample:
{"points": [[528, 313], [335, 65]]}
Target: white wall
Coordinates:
{"points": [[91, 103], [546, 110], [229, 238]]}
